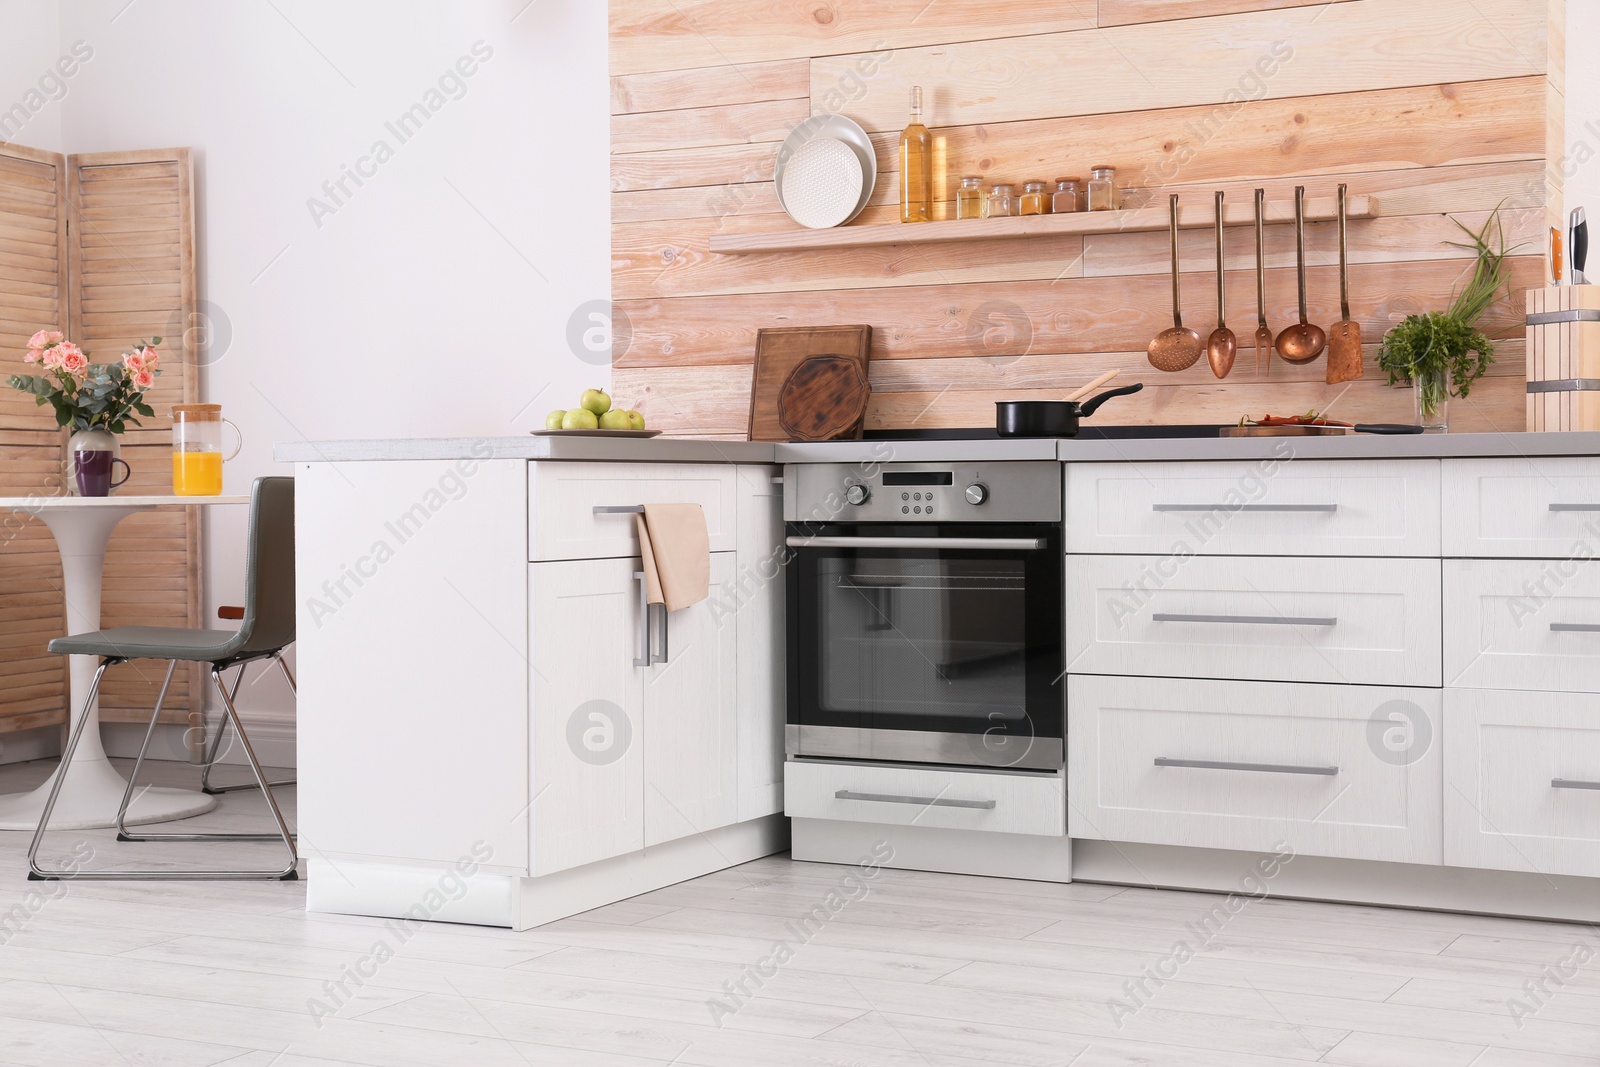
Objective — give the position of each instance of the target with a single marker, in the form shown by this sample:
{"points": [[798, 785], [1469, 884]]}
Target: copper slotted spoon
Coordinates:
{"points": [[1263, 332], [1222, 346], [1301, 342], [1178, 348]]}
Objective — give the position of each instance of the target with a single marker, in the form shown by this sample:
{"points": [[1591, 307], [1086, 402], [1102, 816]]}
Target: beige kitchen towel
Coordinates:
{"points": [[675, 547]]}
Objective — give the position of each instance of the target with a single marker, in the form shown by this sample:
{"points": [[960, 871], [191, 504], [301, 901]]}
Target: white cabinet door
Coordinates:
{"points": [[758, 606], [1332, 770], [1359, 620], [1522, 624], [691, 711], [1522, 782], [1538, 506], [588, 715]]}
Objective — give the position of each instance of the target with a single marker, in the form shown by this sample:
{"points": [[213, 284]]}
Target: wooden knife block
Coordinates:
{"points": [[1564, 358]]}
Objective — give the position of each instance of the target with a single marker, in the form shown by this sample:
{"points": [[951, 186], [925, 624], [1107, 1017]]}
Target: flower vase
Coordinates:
{"points": [[1431, 394], [92, 458]]}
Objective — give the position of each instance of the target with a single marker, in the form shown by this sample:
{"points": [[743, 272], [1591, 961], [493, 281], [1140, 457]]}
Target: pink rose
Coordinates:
{"points": [[51, 357], [143, 379], [134, 361], [40, 339], [56, 337], [32, 356], [73, 361]]}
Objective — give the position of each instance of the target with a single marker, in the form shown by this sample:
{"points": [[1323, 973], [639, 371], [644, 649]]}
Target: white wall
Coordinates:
{"points": [[434, 300], [30, 45]]}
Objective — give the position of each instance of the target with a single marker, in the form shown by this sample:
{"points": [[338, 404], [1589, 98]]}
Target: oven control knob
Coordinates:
{"points": [[857, 494], [977, 493]]}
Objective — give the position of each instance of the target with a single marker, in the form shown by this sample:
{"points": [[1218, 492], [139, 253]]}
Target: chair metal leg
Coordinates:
{"points": [[222, 728], [138, 763], [35, 872], [288, 873]]}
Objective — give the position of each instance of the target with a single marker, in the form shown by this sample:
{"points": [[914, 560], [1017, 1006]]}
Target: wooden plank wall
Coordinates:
{"points": [[1443, 108]]}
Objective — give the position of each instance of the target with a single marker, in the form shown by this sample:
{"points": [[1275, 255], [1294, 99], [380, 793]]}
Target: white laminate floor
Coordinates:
{"points": [[925, 970]]}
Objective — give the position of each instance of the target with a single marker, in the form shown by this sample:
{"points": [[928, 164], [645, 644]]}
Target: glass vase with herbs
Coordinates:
{"points": [[1442, 353]]}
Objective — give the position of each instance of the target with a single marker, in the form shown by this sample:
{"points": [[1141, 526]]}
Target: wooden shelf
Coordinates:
{"points": [[1191, 216]]}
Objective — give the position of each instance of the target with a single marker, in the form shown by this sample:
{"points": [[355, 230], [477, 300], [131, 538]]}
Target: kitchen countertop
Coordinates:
{"points": [[683, 450]]}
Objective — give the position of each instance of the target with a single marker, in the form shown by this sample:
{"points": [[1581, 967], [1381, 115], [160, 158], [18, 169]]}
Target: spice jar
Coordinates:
{"points": [[970, 201], [1103, 189], [1035, 200], [1002, 203], [1068, 196]]}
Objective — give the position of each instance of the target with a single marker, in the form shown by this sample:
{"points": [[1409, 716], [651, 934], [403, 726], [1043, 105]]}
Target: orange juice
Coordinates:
{"points": [[197, 473]]}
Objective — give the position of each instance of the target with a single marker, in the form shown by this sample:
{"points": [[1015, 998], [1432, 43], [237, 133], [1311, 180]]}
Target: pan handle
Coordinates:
{"points": [[1387, 427], [1088, 407]]}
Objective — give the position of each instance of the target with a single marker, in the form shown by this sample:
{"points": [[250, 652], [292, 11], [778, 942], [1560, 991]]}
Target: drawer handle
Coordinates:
{"points": [[1325, 508], [931, 802], [1225, 765], [1253, 620], [1575, 627], [619, 509], [1575, 507], [1572, 783]]}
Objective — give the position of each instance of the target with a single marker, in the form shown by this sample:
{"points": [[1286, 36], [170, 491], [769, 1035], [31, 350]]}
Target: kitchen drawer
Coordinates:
{"points": [[1522, 624], [1364, 621], [1273, 507], [902, 796], [1546, 507], [1522, 776], [562, 523], [1332, 770]]}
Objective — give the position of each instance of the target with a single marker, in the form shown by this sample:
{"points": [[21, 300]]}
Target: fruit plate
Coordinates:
{"points": [[594, 433]]}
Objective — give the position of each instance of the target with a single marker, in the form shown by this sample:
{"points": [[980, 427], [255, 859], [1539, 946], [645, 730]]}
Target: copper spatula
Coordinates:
{"points": [[1344, 336]]}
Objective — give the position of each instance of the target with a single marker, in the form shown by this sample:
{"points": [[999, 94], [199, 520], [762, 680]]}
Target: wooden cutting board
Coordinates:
{"points": [[823, 399], [779, 351]]}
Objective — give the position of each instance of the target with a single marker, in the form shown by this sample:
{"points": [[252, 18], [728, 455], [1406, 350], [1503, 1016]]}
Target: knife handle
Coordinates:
{"points": [[1555, 255]]}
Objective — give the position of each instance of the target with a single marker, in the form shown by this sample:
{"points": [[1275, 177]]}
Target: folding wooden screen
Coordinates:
{"points": [[101, 246]]}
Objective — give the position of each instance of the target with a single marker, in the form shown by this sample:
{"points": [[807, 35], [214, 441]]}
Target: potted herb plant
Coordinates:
{"points": [[1442, 353]]}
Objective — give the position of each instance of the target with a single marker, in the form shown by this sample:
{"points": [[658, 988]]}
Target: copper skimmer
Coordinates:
{"points": [[1178, 348]]}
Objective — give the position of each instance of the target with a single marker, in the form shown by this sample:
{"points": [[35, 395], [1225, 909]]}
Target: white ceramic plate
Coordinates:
{"points": [[836, 128], [594, 433]]}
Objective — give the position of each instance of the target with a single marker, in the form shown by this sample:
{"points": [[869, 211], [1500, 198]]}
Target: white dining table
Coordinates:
{"points": [[82, 526]]}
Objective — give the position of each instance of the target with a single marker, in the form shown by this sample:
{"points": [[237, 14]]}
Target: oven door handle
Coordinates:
{"points": [[990, 544]]}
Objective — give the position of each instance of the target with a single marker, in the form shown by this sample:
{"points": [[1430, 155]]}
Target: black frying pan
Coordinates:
{"points": [[1049, 418]]}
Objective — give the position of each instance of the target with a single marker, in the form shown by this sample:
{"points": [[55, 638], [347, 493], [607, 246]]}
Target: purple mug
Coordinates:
{"points": [[93, 472]]}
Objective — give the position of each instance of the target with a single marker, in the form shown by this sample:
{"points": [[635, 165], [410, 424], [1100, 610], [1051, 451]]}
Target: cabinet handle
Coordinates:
{"points": [[930, 802], [1253, 620], [662, 616], [1575, 628], [619, 509], [1326, 508], [1225, 765], [643, 659], [1575, 507], [1572, 783]]}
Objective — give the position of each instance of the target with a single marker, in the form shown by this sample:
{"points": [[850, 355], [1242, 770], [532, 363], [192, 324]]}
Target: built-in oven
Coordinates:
{"points": [[925, 613]]}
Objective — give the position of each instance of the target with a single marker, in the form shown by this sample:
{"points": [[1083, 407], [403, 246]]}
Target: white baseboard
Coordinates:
{"points": [[932, 848], [1402, 885], [273, 739]]}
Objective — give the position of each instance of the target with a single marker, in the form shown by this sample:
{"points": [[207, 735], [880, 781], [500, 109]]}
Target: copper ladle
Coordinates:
{"points": [[1301, 342], [1178, 348], [1223, 346]]}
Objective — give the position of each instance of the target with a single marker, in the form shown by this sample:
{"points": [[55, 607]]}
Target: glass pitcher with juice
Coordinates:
{"points": [[197, 449]]}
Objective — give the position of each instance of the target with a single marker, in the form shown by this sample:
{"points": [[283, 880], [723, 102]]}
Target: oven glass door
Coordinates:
{"points": [[946, 648]]}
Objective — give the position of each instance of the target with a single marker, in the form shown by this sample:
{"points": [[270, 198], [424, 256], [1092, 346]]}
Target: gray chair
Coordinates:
{"points": [[267, 628]]}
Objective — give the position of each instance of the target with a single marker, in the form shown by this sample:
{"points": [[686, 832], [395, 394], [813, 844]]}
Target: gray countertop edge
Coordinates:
{"points": [[687, 450]]}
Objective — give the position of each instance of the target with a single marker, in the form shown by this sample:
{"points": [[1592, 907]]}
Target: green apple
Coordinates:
{"points": [[616, 420], [596, 401], [636, 418], [552, 421], [580, 419]]}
